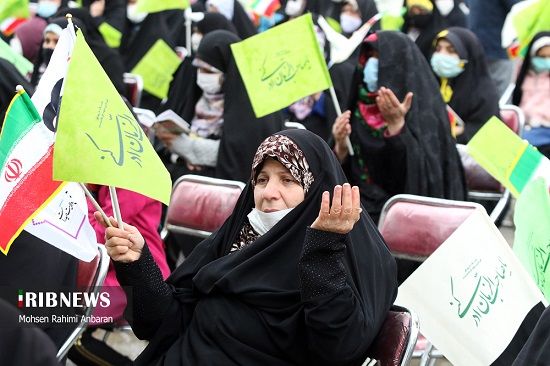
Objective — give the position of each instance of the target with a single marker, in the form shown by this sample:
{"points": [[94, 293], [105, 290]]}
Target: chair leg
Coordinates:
{"points": [[425, 359]]}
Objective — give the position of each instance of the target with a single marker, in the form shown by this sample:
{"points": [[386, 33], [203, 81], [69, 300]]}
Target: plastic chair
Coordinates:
{"points": [[394, 344], [482, 187], [90, 277], [294, 125], [134, 88], [200, 205], [414, 227], [514, 118]]}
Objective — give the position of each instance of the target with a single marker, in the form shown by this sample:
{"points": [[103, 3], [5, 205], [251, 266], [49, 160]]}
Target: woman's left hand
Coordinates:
{"points": [[344, 212], [392, 110]]}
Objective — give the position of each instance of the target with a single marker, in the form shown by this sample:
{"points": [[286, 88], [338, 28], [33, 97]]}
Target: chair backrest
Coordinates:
{"points": [[394, 343], [90, 277], [477, 178], [200, 205], [294, 125], [513, 117], [415, 226], [134, 88]]}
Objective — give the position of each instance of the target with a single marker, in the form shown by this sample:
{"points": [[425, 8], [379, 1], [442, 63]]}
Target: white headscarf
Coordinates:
{"points": [[225, 7]]}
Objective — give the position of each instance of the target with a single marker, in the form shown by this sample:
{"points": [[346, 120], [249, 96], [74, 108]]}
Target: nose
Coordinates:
{"points": [[271, 191]]}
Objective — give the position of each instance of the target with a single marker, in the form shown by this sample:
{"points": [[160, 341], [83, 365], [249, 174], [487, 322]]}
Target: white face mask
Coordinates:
{"points": [[195, 41], [16, 46], [349, 23], [133, 15], [293, 8], [445, 6], [209, 83], [262, 222]]}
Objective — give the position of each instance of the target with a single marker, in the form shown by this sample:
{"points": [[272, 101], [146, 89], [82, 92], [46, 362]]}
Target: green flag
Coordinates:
{"points": [[14, 8], [156, 68], [532, 238], [508, 158], [22, 65], [281, 65], [529, 18], [111, 35], [98, 140], [154, 6]]}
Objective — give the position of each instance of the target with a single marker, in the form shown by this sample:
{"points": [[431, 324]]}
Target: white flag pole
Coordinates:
{"points": [[116, 207], [94, 202]]}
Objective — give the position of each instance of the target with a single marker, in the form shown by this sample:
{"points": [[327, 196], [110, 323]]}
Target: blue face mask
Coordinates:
{"points": [[446, 66], [370, 74], [46, 9], [541, 64]]}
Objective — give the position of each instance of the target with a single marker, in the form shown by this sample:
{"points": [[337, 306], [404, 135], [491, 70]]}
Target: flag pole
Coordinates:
{"points": [[187, 13], [96, 205], [116, 207], [339, 112]]}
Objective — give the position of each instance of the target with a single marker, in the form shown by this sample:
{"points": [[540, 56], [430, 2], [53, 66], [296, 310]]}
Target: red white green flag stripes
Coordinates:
{"points": [[26, 158]]}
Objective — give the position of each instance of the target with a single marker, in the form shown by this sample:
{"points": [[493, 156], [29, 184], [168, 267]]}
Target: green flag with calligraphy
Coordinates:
{"points": [[157, 67], [281, 65], [532, 238], [98, 140]]}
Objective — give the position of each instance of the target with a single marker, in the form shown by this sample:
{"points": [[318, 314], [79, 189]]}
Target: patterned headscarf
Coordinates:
{"points": [[286, 152]]}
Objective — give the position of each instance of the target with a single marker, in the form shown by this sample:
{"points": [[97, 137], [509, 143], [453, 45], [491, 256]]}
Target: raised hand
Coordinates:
{"points": [[341, 129], [122, 245], [392, 110], [341, 216]]}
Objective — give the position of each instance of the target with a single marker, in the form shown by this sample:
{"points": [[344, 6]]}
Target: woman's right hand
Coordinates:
{"points": [[165, 136], [122, 245], [341, 129]]}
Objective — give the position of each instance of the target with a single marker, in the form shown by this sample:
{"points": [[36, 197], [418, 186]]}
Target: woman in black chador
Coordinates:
{"points": [[289, 279], [398, 125]]}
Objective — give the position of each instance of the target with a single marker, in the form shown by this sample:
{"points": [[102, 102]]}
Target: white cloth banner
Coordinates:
{"points": [[472, 294], [64, 224]]}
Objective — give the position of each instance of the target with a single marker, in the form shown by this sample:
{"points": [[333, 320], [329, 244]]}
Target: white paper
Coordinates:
{"points": [[472, 294], [170, 115]]}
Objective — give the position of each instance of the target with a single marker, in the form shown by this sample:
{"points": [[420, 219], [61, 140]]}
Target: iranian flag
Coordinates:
{"points": [[26, 184]]}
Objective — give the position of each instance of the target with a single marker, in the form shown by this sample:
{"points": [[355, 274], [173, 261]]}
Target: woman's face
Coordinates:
{"points": [[276, 189], [50, 40], [445, 47], [544, 52]]}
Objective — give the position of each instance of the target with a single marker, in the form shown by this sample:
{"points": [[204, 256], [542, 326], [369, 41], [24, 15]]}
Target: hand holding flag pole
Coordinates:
{"points": [[94, 202], [116, 207]]}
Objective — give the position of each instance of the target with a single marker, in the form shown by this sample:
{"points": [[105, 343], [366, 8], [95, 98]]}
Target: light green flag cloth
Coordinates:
{"points": [[98, 140], [532, 238], [508, 158], [111, 35], [14, 8], [22, 65], [154, 6], [281, 65], [533, 17], [157, 68]]}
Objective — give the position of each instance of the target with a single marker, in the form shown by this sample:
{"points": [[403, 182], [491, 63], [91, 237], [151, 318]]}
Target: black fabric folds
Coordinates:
{"points": [[422, 159], [295, 296], [475, 108]]}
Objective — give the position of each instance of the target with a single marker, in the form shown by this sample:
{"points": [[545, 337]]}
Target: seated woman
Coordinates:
{"points": [[289, 279], [532, 92], [219, 111], [460, 64], [399, 147]]}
